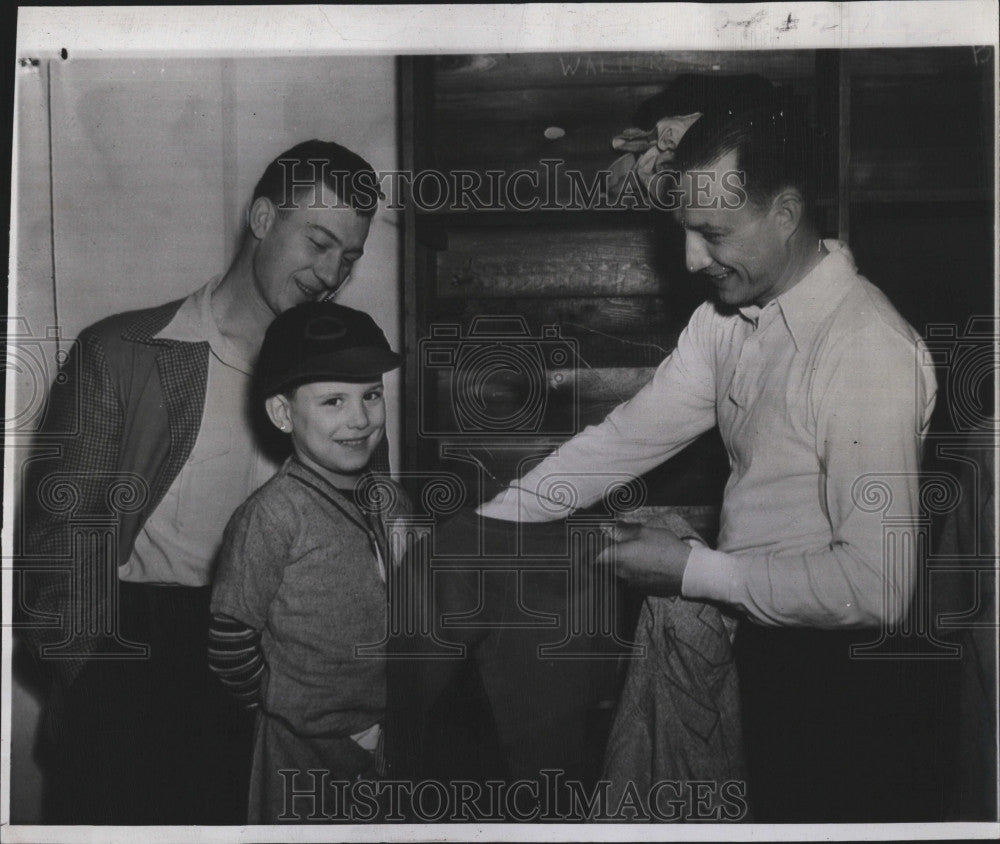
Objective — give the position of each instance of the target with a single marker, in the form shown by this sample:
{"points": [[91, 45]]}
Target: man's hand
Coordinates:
{"points": [[652, 560]]}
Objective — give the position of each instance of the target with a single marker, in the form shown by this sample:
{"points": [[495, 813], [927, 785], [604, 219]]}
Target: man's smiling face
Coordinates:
{"points": [[741, 250], [305, 253]]}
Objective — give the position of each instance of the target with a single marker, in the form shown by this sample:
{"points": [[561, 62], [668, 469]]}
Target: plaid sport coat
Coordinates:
{"points": [[122, 418]]}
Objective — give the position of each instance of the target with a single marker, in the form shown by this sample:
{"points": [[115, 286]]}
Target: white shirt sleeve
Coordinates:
{"points": [[667, 414]]}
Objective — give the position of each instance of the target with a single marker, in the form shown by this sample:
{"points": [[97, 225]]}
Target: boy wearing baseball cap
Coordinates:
{"points": [[300, 582]]}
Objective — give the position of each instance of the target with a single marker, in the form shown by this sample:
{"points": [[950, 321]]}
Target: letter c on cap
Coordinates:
{"points": [[325, 328]]}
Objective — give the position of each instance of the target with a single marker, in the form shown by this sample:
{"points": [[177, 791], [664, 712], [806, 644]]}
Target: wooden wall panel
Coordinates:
{"points": [[894, 63], [544, 264], [902, 143], [506, 127], [605, 332], [491, 112], [490, 72], [615, 316]]}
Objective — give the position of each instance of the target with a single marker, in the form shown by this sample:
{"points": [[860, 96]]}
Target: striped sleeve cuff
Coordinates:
{"points": [[235, 656]]}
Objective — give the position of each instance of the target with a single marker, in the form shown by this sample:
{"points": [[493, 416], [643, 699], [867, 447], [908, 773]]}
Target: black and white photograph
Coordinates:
{"points": [[506, 422]]}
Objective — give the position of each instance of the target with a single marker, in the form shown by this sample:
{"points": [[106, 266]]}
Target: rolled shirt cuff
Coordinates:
{"points": [[368, 739], [710, 575], [518, 505]]}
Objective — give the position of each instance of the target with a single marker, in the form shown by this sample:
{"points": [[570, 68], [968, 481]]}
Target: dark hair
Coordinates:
{"points": [[774, 148], [346, 173]]}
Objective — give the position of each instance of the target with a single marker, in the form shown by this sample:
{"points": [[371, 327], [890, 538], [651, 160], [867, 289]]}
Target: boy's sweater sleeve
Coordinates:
{"points": [[235, 655], [255, 550]]}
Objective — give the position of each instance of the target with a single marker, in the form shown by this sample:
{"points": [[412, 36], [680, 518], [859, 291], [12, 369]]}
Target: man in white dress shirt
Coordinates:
{"points": [[814, 381]]}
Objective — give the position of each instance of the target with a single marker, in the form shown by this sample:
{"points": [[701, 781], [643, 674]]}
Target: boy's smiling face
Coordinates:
{"points": [[335, 425]]}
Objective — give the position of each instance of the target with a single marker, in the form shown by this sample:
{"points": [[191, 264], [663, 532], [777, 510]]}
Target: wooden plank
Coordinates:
{"points": [[629, 332], [615, 315], [436, 225], [917, 170], [588, 351], [924, 133], [515, 145], [509, 126], [930, 112], [528, 262], [507, 130], [644, 351], [613, 104], [899, 248], [613, 384], [895, 63], [414, 79], [603, 384], [535, 104], [827, 97], [844, 146], [492, 72], [910, 196], [564, 407]]}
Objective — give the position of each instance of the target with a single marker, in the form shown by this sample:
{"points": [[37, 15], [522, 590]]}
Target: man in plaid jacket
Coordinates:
{"points": [[147, 448]]}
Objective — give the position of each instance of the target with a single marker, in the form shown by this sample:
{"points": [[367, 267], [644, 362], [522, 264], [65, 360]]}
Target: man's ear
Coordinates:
{"points": [[279, 412], [262, 216], [789, 209]]}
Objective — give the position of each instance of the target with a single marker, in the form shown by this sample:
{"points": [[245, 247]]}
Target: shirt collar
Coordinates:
{"points": [[194, 323], [807, 303], [300, 470], [357, 503]]}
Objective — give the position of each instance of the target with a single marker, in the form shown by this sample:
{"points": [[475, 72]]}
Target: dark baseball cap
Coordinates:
{"points": [[322, 341]]}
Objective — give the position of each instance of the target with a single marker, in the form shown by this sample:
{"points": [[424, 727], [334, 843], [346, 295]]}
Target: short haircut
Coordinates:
{"points": [[774, 146], [347, 174]]}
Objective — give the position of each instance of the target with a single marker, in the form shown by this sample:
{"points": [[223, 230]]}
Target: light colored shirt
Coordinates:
{"points": [[814, 394], [179, 541]]}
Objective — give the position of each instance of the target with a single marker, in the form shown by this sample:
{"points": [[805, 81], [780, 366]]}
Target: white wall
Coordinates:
{"points": [[153, 162], [31, 309]]}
